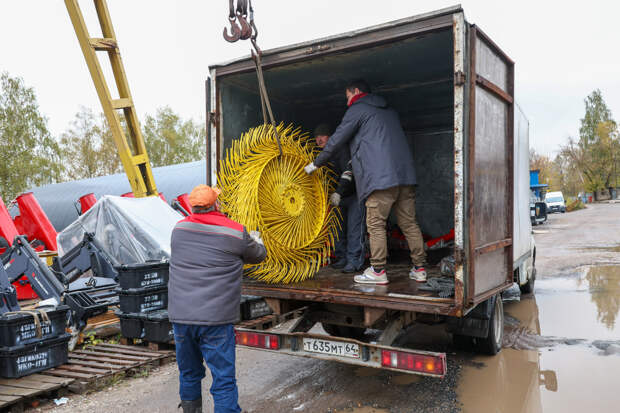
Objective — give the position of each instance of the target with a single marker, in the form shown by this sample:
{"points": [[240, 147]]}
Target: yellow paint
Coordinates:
{"points": [[272, 194], [132, 152]]}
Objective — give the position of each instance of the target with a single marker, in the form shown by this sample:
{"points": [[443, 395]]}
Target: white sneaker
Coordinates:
{"points": [[371, 277], [418, 274]]}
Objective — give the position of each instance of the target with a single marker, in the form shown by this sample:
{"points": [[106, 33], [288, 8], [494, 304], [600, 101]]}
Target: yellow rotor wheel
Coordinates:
{"points": [[272, 194]]}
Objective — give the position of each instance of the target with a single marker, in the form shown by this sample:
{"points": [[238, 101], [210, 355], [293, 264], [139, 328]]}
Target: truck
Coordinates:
{"points": [[453, 88]]}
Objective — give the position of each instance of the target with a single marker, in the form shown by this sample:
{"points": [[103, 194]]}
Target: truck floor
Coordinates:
{"points": [[331, 285]]}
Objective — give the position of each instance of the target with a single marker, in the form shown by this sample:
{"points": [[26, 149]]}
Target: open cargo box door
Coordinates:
{"points": [[490, 168]]}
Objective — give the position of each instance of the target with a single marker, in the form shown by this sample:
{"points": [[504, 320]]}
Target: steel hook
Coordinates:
{"points": [[246, 29], [235, 32]]}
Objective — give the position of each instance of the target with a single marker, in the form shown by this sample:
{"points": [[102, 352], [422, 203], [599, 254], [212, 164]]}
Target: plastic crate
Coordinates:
{"points": [[150, 274], [132, 325], [20, 361], [8, 301], [253, 307], [18, 329], [158, 328], [84, 306], [142, 300]]}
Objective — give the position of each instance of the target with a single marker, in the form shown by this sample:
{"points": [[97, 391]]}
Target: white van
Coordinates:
{"points": [[555, 202]]}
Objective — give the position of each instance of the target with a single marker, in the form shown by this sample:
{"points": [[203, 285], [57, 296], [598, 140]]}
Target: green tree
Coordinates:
{"points": [[30, 156], [549, 173], [171, 140], [571, 179], [597, 112], [597, 152], [88, 149]]}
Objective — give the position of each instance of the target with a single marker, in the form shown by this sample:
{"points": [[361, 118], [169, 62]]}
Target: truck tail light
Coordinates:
{"points": [[414, 362], [268, 341]]}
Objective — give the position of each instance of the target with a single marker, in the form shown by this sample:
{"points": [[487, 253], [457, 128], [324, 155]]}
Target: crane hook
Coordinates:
{"points": [[235, 32], [246, 29]]}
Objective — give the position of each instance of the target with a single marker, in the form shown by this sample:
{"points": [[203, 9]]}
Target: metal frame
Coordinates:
{"points": [[475, 35], [290, 342], [132, 152]]}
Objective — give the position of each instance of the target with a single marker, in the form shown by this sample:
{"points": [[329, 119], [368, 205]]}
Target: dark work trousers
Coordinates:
{"points": [[351, 236], [216, 345]]}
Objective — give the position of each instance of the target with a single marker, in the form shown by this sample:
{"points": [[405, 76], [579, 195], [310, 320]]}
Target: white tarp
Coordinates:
{"points": [[132, 230]]}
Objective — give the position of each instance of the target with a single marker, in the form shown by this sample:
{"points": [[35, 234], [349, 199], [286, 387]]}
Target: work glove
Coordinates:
{"points": [[334, 199], [311, 167], [255, 235]]}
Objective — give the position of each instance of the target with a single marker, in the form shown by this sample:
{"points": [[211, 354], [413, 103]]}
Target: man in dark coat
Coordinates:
{"points": [[384, 173], [349, 248], [208, 251]]}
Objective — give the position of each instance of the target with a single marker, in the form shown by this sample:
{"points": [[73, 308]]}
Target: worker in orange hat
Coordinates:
{"points": [[208, 251]]}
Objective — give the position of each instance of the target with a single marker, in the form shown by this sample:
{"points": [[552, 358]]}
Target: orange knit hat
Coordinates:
{"points": [[204, 195]]}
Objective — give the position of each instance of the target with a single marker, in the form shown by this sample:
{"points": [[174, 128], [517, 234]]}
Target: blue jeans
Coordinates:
{"points": [[216, 345], [350, 244]]}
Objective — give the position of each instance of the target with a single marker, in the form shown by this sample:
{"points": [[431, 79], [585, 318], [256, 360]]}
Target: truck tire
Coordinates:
{"points": [[492, 344], [528, 287], [344, 331]]}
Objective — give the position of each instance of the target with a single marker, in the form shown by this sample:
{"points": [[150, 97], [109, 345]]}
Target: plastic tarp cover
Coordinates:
{"points": [[132, 230]]}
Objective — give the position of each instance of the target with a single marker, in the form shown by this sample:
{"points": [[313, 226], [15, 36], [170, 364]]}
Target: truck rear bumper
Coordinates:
{"points": [[267, 334]]}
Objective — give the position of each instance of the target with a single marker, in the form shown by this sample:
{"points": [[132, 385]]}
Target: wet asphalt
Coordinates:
{"points": [[561, 350]]}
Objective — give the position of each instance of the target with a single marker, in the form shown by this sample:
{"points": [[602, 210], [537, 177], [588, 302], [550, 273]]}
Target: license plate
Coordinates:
{"points": [[334, 348]]}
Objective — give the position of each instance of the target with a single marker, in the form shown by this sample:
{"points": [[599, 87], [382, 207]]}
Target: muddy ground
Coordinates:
{"points": [[561, 350]]}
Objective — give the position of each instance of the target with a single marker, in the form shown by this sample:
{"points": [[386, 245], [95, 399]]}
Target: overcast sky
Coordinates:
{"points": [[563, 50]]}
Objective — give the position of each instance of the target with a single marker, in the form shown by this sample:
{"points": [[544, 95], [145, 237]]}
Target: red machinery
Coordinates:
{"points": [[33, 222], [184, 201], [181, 204], [7, 227], [87, 201]]}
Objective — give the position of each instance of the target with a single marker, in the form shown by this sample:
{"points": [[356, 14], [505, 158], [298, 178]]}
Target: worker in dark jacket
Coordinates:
{"points": [[208, 251], [349, 248], [384, 173]]}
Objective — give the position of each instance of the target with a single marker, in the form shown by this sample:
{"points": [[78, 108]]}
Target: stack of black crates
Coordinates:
{"points": [[28, 347], [143, 301]]}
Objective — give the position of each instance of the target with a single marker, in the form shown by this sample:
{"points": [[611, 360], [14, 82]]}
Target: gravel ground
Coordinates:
{"points": [[271, 382]]}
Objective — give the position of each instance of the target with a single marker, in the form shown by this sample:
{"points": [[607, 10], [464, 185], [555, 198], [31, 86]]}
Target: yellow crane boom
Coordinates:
{"points": [[132, 151]]}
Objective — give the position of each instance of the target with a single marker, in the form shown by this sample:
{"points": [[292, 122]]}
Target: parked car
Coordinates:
{"points": [[555, 202], [538, 210]]}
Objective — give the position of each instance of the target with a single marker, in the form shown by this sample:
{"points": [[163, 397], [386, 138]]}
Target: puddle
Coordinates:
{"points": [[607, 249], [564, 353], [367, 372], [405, 379], [585, 306], [519, 381]]}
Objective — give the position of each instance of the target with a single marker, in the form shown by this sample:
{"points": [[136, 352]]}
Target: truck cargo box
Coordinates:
{"points": [[453, 88]]}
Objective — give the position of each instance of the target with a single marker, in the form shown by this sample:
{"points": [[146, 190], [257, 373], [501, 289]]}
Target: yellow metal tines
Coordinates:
{"points": [[272, 194]]}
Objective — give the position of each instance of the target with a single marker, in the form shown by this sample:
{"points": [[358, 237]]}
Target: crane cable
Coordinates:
{"points": [[244, 30]]}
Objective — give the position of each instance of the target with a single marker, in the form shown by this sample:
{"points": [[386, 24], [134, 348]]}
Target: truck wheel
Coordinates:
{"points": [[344, 331], [492, 344], [528, 287]]}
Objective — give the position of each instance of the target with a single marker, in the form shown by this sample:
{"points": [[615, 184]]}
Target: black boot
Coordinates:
{"points": [[193, 406]]}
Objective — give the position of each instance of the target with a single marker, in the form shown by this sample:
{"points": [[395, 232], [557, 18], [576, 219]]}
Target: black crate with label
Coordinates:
{"points": [[150, 274], [20, 361], [253, 307], [142, 300], [157, 327], [21, 327], [132, 324]]}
